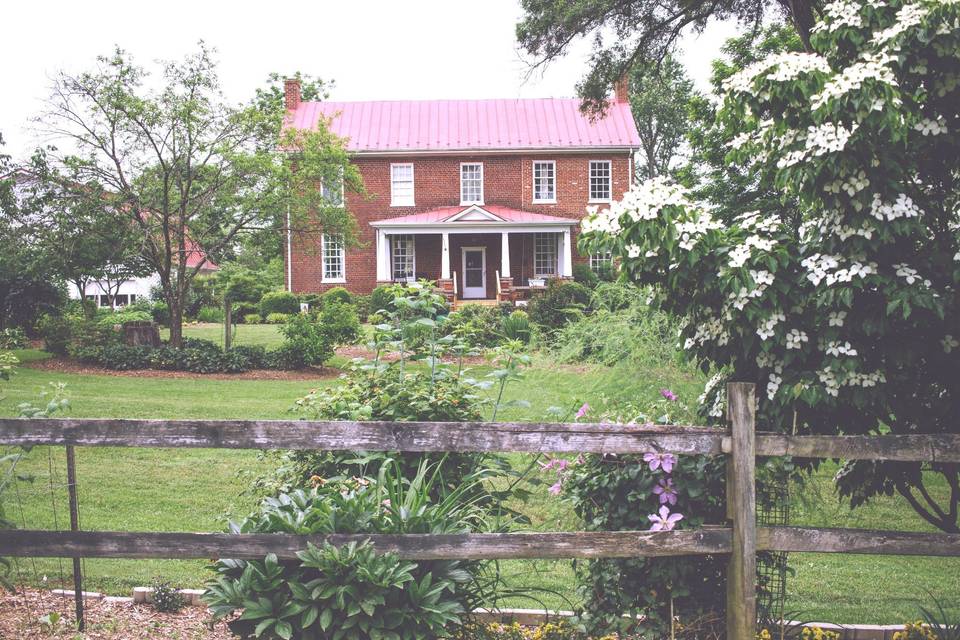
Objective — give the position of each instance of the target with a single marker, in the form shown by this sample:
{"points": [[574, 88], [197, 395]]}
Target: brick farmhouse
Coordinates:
{"points": [[482, 196]]}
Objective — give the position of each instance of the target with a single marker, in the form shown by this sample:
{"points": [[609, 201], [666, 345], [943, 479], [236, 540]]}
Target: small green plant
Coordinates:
{"points": [[381, 299], [166, 597], [943, 625], [278, 318], [307, 337], [50, 622], [279, 302], [516, 326], [561, 303], [336, 295], [252, 318], [210, 314], [13, 338]]}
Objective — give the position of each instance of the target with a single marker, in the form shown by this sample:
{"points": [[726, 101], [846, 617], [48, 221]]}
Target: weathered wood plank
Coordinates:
{"points": [[742, 506], [581, 544], [369, 436], [863, 541], [926, 448]]}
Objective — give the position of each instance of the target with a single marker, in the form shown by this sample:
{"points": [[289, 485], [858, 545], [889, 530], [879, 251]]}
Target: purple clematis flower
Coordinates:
{"points": [[664, 521], [669, 395], [664, 489], [556, 489], [582, 411], [658, 460]]}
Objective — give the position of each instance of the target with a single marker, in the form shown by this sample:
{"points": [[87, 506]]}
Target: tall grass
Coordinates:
{"points": [[622, 328]]}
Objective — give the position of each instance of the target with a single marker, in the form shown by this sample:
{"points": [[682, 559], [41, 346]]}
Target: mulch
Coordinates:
{"points": [[20, 615]]}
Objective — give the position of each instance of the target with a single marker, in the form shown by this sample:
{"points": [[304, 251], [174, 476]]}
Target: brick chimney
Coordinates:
{"points": [[291, 93], [621, 89]]}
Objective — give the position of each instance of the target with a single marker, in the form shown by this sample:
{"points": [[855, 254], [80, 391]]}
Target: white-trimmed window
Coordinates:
{"points": [[545, 254], [404, 257], [600, 182], [601, 263], [544, 181], [401, 185], [332, 190], [333, 258], [471, 183]]}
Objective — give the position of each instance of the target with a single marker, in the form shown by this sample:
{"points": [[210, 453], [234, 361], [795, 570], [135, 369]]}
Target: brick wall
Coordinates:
{"points": [[508, 181]]}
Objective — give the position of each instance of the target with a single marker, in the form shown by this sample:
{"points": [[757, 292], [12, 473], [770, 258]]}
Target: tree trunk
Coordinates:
{"points": [[176, 321]]}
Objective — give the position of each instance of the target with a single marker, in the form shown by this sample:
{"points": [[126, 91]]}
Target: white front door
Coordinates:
{"points": [[474, 272]]}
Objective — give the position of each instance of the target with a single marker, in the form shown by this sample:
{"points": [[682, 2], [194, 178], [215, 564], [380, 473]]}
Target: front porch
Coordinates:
{"points": [[476, 253]]}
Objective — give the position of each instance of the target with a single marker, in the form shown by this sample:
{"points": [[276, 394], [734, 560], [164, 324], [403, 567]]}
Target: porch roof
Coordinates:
{"points": [[473, 217]]}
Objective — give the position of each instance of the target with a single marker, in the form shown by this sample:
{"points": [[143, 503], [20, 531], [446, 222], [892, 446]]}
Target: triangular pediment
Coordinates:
{"points": [[474, 213]]}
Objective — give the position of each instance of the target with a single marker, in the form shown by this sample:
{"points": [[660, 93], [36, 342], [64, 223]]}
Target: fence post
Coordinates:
{"points": [[742, 510], [75, 526]]}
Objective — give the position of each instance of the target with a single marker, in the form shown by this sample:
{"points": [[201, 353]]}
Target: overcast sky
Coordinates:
{"points": [[373, 49]]}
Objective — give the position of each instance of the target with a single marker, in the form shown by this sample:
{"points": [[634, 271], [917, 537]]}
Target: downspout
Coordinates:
{"points": [[289, 253]]}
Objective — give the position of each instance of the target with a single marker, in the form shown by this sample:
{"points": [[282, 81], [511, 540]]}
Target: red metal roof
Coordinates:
{"points": [[196, 255], [505, 214], [452, 125]]}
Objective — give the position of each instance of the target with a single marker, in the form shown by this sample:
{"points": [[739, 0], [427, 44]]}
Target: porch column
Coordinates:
{"points": [[383, 256], [445, 257], [566, 259], [504, 254]]}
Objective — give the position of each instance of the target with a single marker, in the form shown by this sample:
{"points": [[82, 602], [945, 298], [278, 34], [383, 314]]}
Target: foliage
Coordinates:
{"points": [[13, 338], [660, 101], [7, 362], [515, 631], [362, 303], [628, 34], [351, 591], [340, 322], [618, 493], [802, 633], [381, 299], [915, 631], [210, 314], [516, 326], [639, 334], [166, 597], [279, 318], [240, 285], [942, 626], [252, 318], [107, 319], [56, 332], [847, 320], [308, 338], [279, 302], [188, 170], [561, 303], [477, 325], [583, 274], [337, 295]]}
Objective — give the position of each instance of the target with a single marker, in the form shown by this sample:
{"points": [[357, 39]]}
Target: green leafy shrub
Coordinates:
{"points": [[381, 299], [252, 318], [13, 338], [337, 295], [362, 304], [244, 309], [121, 357], [279, 302], [56, 332], [278, 318], [353, 592], [107, 319], [583, 274], [166, 597], [516, 326], [339, 322], [254, 355], [309, 338], [477, 325], [167, 358], [210, 314], [562, 302], [286, 357]]}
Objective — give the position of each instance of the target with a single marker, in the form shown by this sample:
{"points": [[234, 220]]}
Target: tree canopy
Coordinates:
{"points": [[847, 318], [637, 32]]}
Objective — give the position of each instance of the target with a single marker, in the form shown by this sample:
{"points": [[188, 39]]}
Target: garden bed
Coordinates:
{"points": [[68, 365], [106, 619]]}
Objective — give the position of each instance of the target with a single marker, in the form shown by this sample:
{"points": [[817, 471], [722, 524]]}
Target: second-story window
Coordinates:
{"points": [[545, 181], [332, 190], [600, 181], [471, 183], [401, 185]]}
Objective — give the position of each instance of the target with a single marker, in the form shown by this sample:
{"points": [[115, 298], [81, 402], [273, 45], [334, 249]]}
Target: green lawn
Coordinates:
{"points": [[196, 490]]}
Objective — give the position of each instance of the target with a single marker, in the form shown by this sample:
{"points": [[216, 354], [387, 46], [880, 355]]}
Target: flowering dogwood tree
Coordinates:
{"points": [[848, 322]]}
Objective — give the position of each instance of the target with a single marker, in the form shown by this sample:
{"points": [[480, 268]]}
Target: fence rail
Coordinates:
{"points": [[741, 443]]}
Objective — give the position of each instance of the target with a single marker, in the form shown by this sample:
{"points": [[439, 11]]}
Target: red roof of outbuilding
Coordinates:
{"points": [[455, 125]]}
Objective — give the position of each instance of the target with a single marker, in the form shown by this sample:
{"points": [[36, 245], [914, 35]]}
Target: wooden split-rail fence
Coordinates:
{"points": [[742, 539]]}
